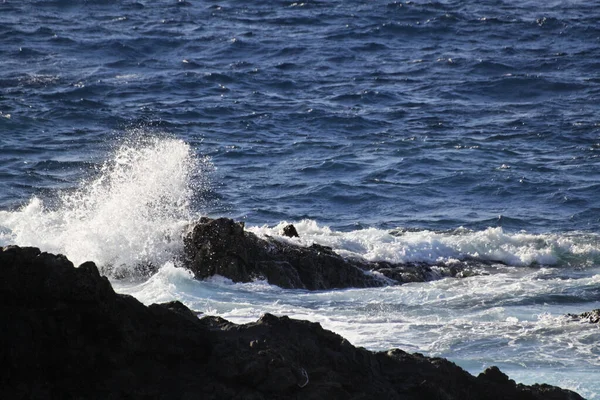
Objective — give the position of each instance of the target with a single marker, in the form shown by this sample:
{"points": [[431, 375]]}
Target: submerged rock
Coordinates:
{"points": [[222, 246], [66, 334], [592, 317]]}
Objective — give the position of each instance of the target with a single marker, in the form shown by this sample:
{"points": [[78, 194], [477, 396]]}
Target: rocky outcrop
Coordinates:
{"points": [[285, 358], [222, 246], [67, 335]]}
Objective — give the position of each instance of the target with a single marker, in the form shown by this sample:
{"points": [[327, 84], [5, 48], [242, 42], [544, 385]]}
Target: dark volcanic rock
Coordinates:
{"points": [[592, 317], [221, 246], [290, 231], [66, 335]]}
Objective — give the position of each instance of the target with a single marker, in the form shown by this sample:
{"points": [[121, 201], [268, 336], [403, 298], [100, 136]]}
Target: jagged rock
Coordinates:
{"points": [[221, 246], [592, 317], [290, 231], [494, 375], [67, 335]]}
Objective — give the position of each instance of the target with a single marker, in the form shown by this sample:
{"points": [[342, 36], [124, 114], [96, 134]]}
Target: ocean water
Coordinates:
{"points": [[390, 130]]}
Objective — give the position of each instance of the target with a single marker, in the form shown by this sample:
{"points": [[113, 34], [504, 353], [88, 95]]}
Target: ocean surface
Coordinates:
{"points": [[390, 130]]}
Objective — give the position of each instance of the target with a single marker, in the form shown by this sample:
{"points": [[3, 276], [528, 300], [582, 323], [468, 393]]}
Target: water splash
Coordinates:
{"points": [[492, 244], [131, 214]]}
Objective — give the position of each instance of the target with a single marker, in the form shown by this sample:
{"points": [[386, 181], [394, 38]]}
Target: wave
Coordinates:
{"points": [[131, 214], [575, 250]]}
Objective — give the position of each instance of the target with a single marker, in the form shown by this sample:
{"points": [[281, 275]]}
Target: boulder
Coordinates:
{"points": [[290, 231], [222, 247]]}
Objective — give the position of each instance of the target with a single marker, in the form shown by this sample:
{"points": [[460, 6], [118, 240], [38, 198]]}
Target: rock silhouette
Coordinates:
{"points": [[67, 335]]}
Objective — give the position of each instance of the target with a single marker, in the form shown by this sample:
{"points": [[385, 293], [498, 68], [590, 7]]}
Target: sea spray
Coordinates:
{"points": [[131, 214]]}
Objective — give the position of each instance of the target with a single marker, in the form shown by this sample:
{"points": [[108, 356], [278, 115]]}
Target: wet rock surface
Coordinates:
{"points": [[290, 231], [222, 246], [66, 334], [592, 317]]}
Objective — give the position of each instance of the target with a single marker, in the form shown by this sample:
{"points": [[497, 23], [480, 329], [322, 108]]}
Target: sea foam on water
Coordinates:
{"points": [[132, 213], [492, 244]]}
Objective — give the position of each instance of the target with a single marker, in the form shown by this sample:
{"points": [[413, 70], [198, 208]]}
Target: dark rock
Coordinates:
{"points": [[221, 246], [285, 358], [290, 231], [66, 334], [144, 269], [493, 374], [593, 317]]}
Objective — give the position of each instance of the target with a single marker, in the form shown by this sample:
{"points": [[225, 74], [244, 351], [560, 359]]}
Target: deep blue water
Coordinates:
{"points": [[441, 121], [420, 114]]}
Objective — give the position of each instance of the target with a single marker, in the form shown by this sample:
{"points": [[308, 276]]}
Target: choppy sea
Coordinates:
{"points": [[391, 130]]}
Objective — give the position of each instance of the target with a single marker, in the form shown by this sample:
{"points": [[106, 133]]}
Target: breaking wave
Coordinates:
{"points": [[131, 213], [491, 244]]}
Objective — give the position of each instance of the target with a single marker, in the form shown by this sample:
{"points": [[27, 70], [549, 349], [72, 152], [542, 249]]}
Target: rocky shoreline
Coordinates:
{"points": [[66, 334]]}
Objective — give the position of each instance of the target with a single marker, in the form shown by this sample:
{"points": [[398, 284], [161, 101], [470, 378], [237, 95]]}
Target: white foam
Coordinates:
{"points": [[514, 319], [491, 244], [169, 283], [131, 213]]}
